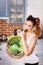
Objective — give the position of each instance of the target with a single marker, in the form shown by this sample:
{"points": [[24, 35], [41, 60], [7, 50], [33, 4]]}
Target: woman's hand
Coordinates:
{"points": [[21, 34]]}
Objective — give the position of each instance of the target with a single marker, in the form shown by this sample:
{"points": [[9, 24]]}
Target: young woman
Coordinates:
{"points": [[29, 39]]}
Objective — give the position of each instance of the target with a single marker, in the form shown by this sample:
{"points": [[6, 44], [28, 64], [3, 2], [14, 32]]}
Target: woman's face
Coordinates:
{"points": [[28, 25]]}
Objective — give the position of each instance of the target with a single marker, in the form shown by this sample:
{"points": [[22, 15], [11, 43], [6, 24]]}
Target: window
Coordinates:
{"points": [[17, 11]]}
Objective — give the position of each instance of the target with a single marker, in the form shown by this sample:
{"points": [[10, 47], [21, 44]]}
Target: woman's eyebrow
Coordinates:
{"points": [[25, 23]]}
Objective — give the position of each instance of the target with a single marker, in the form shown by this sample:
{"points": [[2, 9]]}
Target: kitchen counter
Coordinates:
{"points": [[7, 60]]}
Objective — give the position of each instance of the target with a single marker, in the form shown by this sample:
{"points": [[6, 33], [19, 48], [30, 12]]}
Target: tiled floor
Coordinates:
{"points": [[6, 60]]}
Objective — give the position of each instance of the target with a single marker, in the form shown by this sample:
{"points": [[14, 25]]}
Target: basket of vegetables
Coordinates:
{"points": [[14, 47]]}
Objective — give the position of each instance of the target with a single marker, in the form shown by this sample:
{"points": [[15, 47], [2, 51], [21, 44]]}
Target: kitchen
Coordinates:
{"points": [[13, 13]]}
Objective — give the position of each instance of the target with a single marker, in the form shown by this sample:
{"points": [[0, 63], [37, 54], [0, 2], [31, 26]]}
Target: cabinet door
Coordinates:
{"points": [[8, 7], [40, 51], [2, 8]]}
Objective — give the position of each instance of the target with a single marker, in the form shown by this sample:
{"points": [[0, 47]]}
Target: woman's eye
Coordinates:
{"points": [[29, 26]]}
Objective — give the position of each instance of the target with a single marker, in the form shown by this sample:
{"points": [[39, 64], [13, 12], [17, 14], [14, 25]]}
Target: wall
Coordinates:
{"points": [[6, 28], [34, 7]]}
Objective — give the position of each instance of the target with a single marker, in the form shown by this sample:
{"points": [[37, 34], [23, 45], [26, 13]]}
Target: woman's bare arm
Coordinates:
{"points": [[28, 49]]}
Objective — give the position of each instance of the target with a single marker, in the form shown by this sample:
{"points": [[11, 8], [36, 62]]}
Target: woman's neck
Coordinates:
{"points": [[30, 32]]}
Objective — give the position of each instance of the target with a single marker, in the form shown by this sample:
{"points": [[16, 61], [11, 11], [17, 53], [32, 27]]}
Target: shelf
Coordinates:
{"points": [[16, 19], [14, 10], [18, 16]]}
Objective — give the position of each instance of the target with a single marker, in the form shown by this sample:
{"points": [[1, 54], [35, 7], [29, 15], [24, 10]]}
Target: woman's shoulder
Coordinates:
{"points": [[33, 39], [34, 36]]}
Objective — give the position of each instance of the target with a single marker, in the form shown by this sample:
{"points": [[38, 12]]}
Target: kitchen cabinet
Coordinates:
{"points": [[2, 8], [40, 51], [16, 11], [3, 55]]}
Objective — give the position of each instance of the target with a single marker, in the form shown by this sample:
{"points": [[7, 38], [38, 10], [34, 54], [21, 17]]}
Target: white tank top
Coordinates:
{"points": [[32, 58], [27, 59]]}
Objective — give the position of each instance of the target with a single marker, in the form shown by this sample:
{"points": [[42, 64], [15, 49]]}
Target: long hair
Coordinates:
{"points": [[38, 30], [36, 23]]}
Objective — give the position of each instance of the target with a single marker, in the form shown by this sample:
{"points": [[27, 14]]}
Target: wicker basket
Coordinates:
{"points": [[13, 56]]}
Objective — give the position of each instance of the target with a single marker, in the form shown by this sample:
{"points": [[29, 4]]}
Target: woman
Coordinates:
{"points": [[29, 39]]}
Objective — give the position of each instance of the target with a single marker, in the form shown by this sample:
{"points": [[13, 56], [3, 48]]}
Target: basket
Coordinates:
{"points": [[20, 55]]}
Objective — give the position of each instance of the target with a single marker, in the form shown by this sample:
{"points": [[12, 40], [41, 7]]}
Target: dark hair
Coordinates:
{"points": [[15, 31], [32, 19], [36, 22]]}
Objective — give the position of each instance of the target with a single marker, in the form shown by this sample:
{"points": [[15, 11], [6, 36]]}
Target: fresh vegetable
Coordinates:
{"points": [[15, 52], [14, 40], [15, 45]]}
